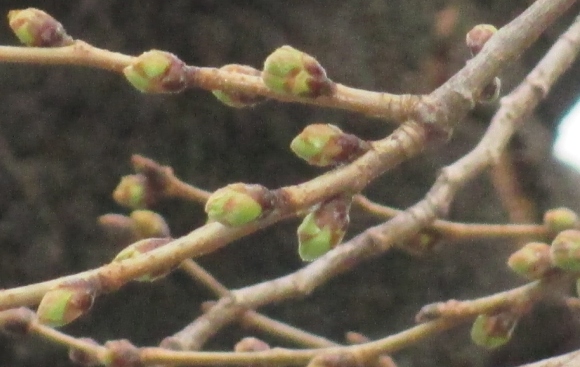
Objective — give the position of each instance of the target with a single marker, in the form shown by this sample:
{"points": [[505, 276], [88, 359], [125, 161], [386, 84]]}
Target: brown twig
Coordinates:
{"points": [[455, 231]]}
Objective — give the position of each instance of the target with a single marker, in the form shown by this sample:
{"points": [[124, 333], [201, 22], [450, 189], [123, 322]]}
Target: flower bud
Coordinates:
{"points": [[565, 250], [157, 72], [323, 228], [33, 27], [493, 331], [150, 224], [290, 71], [142, 247], [237, 99], [238, 204], [531, 261], [66, 302], [83, 357], [478, 36], [560, 219], [325, 144]]}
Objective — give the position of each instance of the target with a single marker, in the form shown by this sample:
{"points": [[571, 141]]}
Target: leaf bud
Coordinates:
{"points": [[239, 203], [478, 36], [560, 219], [150, 224], [141, 247], [157, 72], [290, 71], [67, 302], [325, 144], [121, 353], [33, 27], [493, 331], [323, 228], [250, 344], [531, 261], [83, 357], [120, 229], [131, 192], [565, 250], [16, 321], [238, 99]]}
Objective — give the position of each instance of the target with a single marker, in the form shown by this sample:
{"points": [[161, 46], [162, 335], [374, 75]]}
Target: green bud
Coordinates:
{"points": [[565, 250], [493, 331], [325, 144], [323, 229], [141, 247], [238, 204], [290, 71], [131, 191], [478, 36], [237, 99], [150, 224], [560, 219], [66, 302], [33, 27], [157, 72], [531, 261]]}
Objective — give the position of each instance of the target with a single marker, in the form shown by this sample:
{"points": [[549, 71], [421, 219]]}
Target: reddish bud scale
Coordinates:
{"points": [[478, 36], [490, 92], [157, 72], [82, 357], [239, 203], [238, 99]]}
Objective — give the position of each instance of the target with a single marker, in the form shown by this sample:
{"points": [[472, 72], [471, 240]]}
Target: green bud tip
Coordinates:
{"points": [[141, 247], [531, 261], [493, 331], [565, 250], [150, 224], [323, 229], [131, 191], [560, 219], [33, 27], [238, 204], [290, 71], [157, 72], [66, 303], [478, 36], [238, 99]]}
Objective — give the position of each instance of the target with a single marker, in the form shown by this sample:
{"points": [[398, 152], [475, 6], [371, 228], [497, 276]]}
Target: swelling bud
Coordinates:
{"points": [[238, 204], [493, 331], [531, 261], [35, 28], [324, 228], [238, 99], [565, 250], [157, 72], [66, 302], [290, 71], [324, 145], [560, 219]]}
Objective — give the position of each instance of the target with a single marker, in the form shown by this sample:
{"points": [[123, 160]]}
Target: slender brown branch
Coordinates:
{"points": [[455, 231], [377, 240]]}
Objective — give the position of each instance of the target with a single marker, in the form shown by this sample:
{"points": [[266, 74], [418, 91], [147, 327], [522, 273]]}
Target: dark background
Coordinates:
{"points": [[66, 135]]}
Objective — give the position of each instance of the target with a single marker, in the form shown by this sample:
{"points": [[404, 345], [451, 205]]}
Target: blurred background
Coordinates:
{"points": [[67, 133]]}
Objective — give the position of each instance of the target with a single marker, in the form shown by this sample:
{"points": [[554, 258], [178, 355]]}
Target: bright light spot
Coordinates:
{"points": [[567, 146]]}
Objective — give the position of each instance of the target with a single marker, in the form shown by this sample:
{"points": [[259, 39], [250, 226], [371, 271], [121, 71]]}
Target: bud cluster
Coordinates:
{"points": [[323, 228]]}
